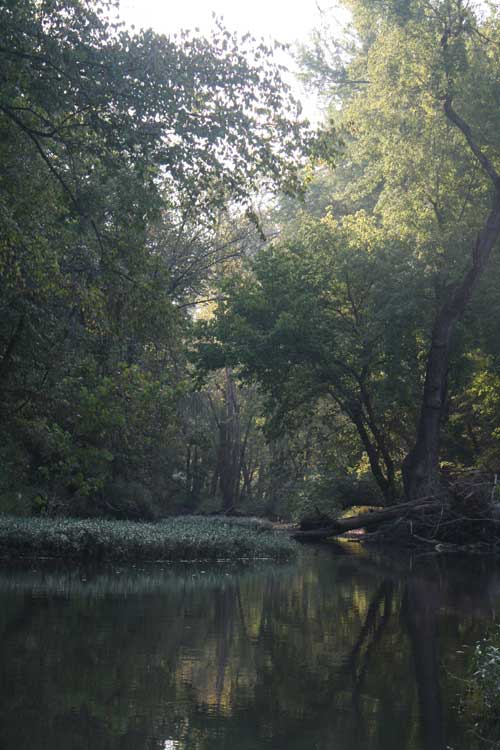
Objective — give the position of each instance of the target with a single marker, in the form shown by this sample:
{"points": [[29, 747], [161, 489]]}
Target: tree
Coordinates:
{"points": [[314, 318], [421, 466], [369, 309]]}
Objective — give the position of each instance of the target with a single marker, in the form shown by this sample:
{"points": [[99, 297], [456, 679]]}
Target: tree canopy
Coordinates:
{"points": [[173, 338], [119, 152], [378, 301]]}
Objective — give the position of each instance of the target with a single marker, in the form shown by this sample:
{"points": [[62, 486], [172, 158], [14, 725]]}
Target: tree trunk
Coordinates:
{"points": [[7, 357], [421, 465], [230, 445], [385, 481]]}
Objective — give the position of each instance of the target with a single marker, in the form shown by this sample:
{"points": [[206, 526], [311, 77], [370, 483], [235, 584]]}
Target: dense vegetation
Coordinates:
{"points": [[173, 340], [185, 538], [372, 312], [122, 156]]}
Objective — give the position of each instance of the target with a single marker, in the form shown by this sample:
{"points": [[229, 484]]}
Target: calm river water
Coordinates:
{"points": [[341, 650]]}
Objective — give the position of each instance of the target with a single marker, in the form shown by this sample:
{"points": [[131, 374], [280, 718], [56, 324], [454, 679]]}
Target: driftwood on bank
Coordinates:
{"points": [[466, 513], [368, 520]]}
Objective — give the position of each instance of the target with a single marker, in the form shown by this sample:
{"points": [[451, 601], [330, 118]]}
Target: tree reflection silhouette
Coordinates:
{"points": [[336, 651]]}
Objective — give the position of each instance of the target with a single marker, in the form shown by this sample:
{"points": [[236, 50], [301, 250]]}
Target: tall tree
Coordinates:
{"points": [[417, 85], [368, 307]]}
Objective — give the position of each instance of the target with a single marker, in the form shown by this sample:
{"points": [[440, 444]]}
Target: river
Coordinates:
{"points": [[342, 649]]}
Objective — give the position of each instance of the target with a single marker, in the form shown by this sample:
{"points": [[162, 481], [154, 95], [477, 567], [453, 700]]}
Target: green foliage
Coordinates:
{"points": [[119, 153], [187, 538], [328, 313], [137, 105], [128, 162], [341, 308]]}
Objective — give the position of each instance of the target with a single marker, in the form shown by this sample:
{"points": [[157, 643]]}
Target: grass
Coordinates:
{"points": [[183, 538]]}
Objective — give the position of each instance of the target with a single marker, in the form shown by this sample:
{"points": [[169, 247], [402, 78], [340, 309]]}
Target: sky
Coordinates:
{"points": [[284, 20]]}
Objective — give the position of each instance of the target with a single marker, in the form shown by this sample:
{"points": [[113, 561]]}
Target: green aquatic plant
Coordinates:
{"points": [[487, 672], [482, 700], [185, 538]]}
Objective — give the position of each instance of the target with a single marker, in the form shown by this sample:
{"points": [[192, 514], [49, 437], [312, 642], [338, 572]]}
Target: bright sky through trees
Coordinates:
{"points": [[279, 19], [282, 20]]}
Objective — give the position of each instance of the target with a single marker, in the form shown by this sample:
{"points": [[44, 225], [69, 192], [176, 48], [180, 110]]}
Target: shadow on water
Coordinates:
{"points": [[344, 650]]}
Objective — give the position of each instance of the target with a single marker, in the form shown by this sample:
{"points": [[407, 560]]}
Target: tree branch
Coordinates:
{"points": [[486, 163]]}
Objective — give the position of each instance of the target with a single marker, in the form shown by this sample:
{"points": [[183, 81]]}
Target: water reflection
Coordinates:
{"points": [[342, 650]]}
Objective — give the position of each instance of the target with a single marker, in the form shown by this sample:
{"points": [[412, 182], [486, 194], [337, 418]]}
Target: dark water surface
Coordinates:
{"points": [[342, 650]]}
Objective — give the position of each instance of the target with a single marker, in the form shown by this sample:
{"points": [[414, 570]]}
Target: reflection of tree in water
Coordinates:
{"points": [[426, 603], [336, 652], [421, 602]]}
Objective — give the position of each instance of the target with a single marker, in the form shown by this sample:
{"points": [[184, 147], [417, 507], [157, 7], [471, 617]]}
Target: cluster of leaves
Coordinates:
{"points": [[182, 538]]}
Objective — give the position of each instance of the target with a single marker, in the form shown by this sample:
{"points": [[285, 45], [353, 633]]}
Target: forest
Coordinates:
{"points": [[211, 305]]}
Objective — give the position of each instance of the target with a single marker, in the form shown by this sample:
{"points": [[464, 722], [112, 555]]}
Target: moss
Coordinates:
{"points": [[185, 538]]}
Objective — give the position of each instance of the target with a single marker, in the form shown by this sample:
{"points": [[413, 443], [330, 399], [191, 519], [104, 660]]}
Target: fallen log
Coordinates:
{"points": [[465, 514], [369, 520]]}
